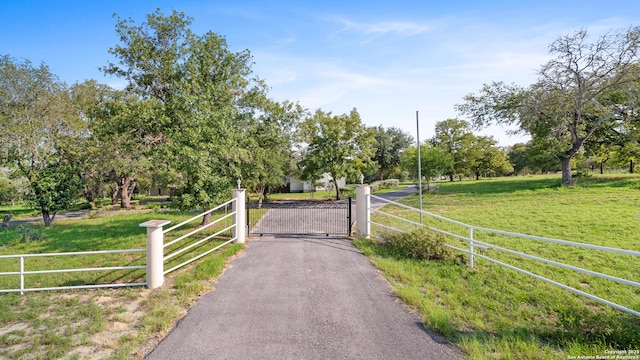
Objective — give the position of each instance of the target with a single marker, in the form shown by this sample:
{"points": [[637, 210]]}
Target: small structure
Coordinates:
{"points": [[7, 220], [324, 183]]}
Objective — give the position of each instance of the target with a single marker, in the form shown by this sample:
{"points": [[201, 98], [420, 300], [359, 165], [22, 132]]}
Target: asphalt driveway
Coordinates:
{"points": [[301, 298]]}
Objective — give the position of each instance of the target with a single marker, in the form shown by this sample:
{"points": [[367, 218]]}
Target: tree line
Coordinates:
{"points": [[195, 117]]}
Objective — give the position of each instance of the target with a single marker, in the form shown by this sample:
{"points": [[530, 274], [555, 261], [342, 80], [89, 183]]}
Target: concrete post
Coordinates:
{"points": [[363, 215], [155, 253], [239, 231]]}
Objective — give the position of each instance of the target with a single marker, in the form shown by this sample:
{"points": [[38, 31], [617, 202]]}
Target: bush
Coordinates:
{"points": [[384, 184], [420, 244], [347, 192], [25, 233]]}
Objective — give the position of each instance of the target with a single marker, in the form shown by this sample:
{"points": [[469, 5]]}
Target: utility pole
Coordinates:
{"points": [[419, 164]]}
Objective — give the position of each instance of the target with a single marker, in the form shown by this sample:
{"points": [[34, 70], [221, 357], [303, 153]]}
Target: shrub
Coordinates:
{"points": [[384, 184], [25, 233], [420, 244]]}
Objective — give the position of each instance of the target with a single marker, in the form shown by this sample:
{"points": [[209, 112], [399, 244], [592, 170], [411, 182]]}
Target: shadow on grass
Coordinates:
{"points": [[491, 187]]}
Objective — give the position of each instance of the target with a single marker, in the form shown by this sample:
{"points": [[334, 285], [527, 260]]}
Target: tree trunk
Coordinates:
{"points": [[114, 194], [631, 166], [567, 178], [601, 167], [48, 218], [206, 219], [335, 183], [89, 196], [127, 186], [477, 176], [260, 193], [451, 177]]}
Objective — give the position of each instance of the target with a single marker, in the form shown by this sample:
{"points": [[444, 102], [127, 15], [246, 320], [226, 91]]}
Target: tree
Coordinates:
{"points": [[8, 191], [390, 144], [488, 158], [39, 133], [455, 137], [577, 93], [337, 145], [268, 140], [517, 155], [196, 83], [434, 161]]}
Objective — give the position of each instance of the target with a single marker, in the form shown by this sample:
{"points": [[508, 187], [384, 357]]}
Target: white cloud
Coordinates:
{"points": [[385, 27]]}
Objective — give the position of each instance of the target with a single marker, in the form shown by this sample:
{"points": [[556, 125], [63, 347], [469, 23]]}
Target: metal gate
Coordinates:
{"points": [[303, 217]]}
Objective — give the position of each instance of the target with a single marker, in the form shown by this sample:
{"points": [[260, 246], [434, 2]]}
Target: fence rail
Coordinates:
{"points": [[187, 247], [474, 243], [155, 258], [23, 271]]}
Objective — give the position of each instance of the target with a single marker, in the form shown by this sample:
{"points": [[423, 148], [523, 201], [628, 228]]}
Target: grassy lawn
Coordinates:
{"points": [[104, 323], [19, 210], [493, 312]]}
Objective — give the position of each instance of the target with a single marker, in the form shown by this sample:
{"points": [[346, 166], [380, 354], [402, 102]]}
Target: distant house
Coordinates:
{"points": [[322, 184]]}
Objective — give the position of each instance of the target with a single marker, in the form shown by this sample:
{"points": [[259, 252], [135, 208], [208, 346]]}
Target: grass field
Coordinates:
{"points": [[105, 323], [493, 312]]}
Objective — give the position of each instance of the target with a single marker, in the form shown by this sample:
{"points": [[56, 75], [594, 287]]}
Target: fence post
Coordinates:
{"points": [[21, 275], [471, 247], [155, 252], [363, 215], [239, 207]]}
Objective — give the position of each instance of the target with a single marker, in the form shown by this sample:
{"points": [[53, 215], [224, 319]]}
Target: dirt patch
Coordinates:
{"points": [[13, 327]]}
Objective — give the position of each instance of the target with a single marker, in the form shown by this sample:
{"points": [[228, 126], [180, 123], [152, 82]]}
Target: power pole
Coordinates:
{"points": [[419, 164]]}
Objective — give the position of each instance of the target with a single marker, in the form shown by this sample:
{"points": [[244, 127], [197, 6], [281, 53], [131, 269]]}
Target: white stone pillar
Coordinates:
{"points": [[363, 215], [155, 252], [240, 220]]}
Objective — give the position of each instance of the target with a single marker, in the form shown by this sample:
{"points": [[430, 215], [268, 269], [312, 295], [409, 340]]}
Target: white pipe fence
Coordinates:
{"points": [[155, 257], [23, 271], [366, 211]]}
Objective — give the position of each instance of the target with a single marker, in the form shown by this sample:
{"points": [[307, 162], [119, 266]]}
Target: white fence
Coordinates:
{"points": [[364, 217], [155, 258], [23, 271]]}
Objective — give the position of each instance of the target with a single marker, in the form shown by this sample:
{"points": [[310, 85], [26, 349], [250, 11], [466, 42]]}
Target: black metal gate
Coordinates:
{"points": [[303, 217]]}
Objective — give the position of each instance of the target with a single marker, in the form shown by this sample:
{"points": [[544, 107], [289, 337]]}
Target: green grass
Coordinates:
{"points": [[116, 322], [19, 211], [493, 312]]}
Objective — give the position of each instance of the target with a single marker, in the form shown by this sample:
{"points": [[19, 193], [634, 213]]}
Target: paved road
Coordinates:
{"points": [[301, 298], [393, 196]]}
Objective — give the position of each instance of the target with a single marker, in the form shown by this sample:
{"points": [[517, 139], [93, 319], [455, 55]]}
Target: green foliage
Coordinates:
{"points": [[8, 191], [268, 129], [586, 94], [390, 145], [54, 188], [434, 161], [384, 184], [337, 145], [420, 244], [40, 130], [202, 95], [454, 136], [26, 233]]}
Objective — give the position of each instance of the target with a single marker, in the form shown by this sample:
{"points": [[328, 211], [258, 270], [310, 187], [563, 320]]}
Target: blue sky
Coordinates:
{"points": [[388, 59]]}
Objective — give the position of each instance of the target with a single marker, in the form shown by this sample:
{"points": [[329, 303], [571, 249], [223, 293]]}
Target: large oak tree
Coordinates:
{"points": [[583, 88]]}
